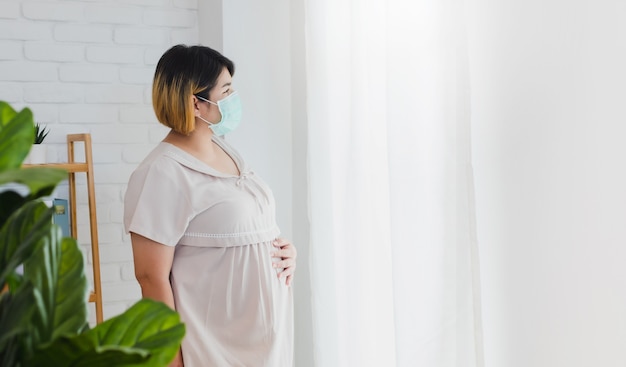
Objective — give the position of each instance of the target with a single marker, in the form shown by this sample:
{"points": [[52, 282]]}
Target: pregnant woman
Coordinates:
{"points": [[202, 223]]}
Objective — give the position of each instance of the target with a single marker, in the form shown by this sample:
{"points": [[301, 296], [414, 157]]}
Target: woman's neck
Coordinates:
{"points": [[198, 143]]}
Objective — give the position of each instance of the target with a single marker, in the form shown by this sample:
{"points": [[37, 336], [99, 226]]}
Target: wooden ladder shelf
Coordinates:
{"points": [[73, 167]]}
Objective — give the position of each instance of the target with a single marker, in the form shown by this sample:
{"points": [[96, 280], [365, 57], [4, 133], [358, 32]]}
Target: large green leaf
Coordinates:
{"points": [[83, 351], [11, 201], [57, 271], [6, 113], [147, 325], [21, 236], [71, 289], [54, 267], [40, 181], [17, 135], [147, 334], [15, 312]]}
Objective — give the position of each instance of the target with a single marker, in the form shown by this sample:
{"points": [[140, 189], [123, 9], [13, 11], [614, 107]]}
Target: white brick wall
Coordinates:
{"points": [[64, 11], [11, 50], [53, 51], [9, 10], [87, 66], [115, 54], [113, 14]]}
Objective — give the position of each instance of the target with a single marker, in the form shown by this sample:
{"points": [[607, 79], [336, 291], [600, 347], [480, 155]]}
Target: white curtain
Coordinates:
{"points": [[394, 269]]}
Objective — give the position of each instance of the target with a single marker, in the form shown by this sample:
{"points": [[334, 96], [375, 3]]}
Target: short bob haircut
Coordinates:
{"points": [[184, 71]]}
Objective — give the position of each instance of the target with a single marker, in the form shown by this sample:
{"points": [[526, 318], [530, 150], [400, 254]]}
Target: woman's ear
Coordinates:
{"points": [[196, 108]]}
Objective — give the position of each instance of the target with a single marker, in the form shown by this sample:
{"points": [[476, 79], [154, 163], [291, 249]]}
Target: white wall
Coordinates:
{"points": [[548, 118], [87, 66], [300, 212]]}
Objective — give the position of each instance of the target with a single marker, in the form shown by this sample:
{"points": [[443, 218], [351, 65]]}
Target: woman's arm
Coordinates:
{"points": [[153, 263]]}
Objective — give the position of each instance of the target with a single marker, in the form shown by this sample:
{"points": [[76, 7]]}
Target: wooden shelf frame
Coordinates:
{"points": [[73, 167]]}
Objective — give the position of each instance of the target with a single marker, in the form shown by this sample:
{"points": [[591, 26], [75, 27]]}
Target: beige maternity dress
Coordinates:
{"points": [[236, 310]]}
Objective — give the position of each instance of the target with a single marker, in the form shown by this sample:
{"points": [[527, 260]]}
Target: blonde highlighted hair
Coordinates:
{"points": [[182, 72]]}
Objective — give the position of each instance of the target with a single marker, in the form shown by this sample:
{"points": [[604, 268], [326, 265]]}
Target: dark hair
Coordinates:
{"points": [[184, 71]]}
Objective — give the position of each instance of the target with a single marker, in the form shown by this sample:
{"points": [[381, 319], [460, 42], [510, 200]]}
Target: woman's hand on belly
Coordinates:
{"points": [[286, 254]]}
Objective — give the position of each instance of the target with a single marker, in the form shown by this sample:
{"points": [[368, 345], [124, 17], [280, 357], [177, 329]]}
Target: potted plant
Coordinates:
{"points": [[38, 154], [43, 309]]}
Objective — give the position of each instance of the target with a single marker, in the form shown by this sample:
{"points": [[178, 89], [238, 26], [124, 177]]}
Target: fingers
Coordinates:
{"points": [[285, 249], [284, 264], [287, 272], [281, 242], [287, 254], [287, 268]]}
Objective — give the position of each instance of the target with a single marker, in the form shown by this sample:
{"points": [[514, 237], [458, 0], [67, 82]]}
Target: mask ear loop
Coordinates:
{"points": [[208, 122], [206, 100], [200, 117]]}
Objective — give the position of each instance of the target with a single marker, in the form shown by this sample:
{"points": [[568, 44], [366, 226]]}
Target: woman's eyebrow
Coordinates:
{"points": [[227, 85]]}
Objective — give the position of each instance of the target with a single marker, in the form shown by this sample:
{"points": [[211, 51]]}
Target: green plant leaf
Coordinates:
{"points": [[6, 113], [83, 351], [21, 235], [57, 271], [17, 134], [9, 356], [41, 181], [14, 281], [11, 201], [41, 131], [71, 290], [15, 312], [147, 334], [53, 266], [147, 325]]}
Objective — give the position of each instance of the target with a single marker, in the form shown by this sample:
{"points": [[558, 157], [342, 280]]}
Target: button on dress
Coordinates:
{"points": [[236, 310]]}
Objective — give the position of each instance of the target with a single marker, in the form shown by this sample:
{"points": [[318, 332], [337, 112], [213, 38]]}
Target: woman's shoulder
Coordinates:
{"points": [[158, 162]]}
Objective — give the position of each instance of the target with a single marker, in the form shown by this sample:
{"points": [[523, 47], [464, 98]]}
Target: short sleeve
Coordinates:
{"points": [[156, 204]]}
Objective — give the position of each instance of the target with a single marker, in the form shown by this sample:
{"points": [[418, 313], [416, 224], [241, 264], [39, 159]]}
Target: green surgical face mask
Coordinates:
{"points": [[230, 108]]}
